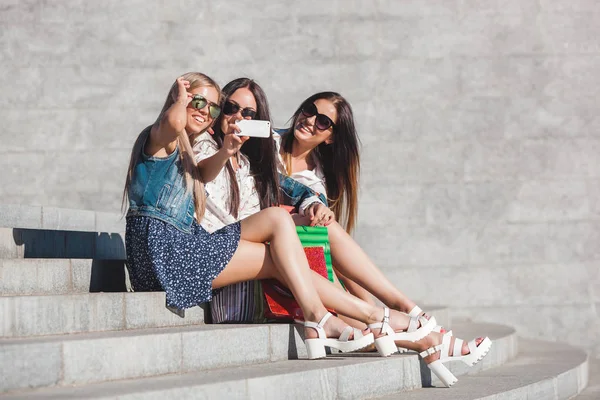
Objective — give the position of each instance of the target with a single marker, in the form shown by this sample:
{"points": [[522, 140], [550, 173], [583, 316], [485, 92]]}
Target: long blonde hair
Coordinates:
{"points": [[191, 174]]}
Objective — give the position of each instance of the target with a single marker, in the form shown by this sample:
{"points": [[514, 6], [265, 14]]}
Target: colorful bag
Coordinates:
{"points": [[280, 304], [240, 303]]}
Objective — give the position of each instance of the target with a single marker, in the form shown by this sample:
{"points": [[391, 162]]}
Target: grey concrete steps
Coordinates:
{"points": [[88, 312], [87, 358], [543, 370], [592, 391], [96, 358], [50, 232], [46, 276], [336, 377], [35, 315], [37, 243], [59, 219], [39, 276]]}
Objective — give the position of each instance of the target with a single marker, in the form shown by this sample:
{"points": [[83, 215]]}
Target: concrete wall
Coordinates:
{"points": [[481, 175]]}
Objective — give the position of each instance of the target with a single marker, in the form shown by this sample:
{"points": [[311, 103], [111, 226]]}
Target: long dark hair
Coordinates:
{"points": [[339, 160], [260, 152]]}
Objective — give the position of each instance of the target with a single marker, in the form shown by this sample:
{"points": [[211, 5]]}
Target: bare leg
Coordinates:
{"points": [[355, 288], [351, 321], [285, 260], [353, 263]]}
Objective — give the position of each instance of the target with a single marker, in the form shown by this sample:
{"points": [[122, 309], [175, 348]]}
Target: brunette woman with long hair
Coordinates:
{"points": [[334, 157], [321, 150]]}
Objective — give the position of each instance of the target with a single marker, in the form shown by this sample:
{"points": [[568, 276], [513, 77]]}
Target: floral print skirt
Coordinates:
{"points": [[161, 257]]}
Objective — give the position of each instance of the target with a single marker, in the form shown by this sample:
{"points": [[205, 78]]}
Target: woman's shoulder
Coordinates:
{"points": [[205, 138], [204, 146]]}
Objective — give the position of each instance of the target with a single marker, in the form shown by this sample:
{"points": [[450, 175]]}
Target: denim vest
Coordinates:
{"points": [[293, 193], [158, 190]]}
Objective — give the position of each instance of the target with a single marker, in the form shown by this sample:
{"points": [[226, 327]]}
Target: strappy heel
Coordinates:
{"points": [[476, 353], [386, 345], [418, 314], [440, 370], [315, 348]]}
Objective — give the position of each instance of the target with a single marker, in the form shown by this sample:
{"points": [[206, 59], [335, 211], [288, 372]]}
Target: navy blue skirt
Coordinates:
{"points": [[161, 257]]}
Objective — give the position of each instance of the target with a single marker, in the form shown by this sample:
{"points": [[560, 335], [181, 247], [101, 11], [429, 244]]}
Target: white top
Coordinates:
{"points": [[314, 179], [217, 202]]}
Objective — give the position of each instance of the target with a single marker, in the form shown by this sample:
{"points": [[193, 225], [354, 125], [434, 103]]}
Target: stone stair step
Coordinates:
{"points": [[542, 370], [335, 377], [55, 218], [46, 276], [39, 315], [40, 243], [39, 276], [87, 358], [88, 312], [104, 356], [592, 391]]}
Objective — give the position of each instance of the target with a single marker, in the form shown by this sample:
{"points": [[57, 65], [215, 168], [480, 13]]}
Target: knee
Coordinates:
{"points": [[279, 217]]}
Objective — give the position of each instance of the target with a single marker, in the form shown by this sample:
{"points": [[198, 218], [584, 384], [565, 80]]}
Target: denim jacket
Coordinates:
{"points": [[294, 193], [158, 190]]}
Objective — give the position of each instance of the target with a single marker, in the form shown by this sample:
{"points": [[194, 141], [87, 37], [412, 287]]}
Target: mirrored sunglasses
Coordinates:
{"points": [[199, 102]]}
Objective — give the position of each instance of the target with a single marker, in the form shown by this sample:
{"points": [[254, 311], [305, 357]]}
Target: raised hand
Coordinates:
{"points": [[182, 96]]}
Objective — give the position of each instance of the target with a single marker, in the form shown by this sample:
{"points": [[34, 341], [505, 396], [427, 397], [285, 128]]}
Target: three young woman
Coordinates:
{"points": [[167, 248]]}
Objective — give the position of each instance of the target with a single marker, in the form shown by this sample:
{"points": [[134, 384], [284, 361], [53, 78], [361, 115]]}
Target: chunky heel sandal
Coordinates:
{"points": [[476, 353], [315, 348], [440, 370], [418, 316], [386, 344]]}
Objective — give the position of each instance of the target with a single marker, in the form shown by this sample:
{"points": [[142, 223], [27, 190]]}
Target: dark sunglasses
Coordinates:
{"points": [[231, 108], [322, 121], [199, 102]]}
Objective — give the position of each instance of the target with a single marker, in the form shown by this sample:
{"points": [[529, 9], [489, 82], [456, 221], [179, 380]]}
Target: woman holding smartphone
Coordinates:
{"points": [[168, 250]]}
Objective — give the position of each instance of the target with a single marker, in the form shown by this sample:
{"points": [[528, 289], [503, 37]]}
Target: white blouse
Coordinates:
{"points": [[314, 179], [217, 202]]}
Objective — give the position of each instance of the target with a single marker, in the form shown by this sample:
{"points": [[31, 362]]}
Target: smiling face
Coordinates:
{"points": [[200, 120], [307, 133], [243, 98]]}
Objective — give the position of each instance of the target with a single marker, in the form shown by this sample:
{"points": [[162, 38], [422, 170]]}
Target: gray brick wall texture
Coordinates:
{"points": [[478, 119]]}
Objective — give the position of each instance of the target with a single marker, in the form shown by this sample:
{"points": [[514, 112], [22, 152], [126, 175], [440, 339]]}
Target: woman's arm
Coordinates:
{"points": [[210, 167], [163, 137]]}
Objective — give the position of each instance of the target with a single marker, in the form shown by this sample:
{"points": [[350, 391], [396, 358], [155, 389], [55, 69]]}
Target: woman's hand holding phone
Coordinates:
{"points": [[231, 141]]}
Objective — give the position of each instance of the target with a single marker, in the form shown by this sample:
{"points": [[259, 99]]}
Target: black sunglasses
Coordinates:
{"points": [[199, 102], [230, 108], [322, 121]]}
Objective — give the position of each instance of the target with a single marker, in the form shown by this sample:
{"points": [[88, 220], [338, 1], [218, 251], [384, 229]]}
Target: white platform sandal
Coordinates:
{"points": [[386, 345], [315, 348], [416, 316], [438, 368], [476, 353]]}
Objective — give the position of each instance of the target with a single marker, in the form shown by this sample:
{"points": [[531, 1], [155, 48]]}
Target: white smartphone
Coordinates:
{"points": [[254, 128]]}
